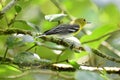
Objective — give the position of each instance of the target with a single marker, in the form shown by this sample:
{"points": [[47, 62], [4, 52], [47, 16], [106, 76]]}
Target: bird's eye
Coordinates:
{"points": [[84, 20]]}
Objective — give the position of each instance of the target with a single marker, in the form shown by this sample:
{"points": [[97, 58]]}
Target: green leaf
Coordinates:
{"points": [[55, 17], [18, 40], [6, 70], [13, 41], [98, 33], [87, 75], [26, 58], [74, 64], [18, 8], [35, 27], [29, 58], [27, 38]]}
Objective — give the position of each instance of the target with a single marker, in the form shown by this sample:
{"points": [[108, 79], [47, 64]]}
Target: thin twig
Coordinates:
{"points": [[31, 47], [1, 14], [8, 6], [12, 20], [111, 48], [58, 5], [58, 57]]}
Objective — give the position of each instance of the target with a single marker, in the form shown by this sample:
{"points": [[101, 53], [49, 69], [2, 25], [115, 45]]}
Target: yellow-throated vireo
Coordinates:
{"points": [[65, 29]]}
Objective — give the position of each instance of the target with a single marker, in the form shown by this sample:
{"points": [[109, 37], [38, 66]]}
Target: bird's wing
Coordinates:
{"points": [[63, 29]]}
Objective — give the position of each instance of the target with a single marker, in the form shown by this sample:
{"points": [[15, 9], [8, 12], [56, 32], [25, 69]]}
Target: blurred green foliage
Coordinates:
{"points": [[30, 16]]}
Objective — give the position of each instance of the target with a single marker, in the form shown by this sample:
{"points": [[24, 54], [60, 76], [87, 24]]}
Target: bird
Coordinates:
{"points": [[72, 28]]}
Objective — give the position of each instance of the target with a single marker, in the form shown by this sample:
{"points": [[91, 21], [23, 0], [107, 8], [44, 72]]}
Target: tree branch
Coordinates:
{"points": [[6, 59], [59, 41], [75, 46], [97, 52], [67, 67], [63, 67], [12, 31]]}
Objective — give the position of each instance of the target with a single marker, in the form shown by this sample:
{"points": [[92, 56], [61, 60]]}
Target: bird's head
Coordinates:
{"points": [[80, 21]]}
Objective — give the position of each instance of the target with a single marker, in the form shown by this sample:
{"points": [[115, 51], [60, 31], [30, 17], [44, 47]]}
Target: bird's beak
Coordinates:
{"points": [[88, 22]]}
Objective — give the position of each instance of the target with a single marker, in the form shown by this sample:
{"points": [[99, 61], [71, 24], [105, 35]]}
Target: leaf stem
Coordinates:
{"points": [[4, 57]]}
